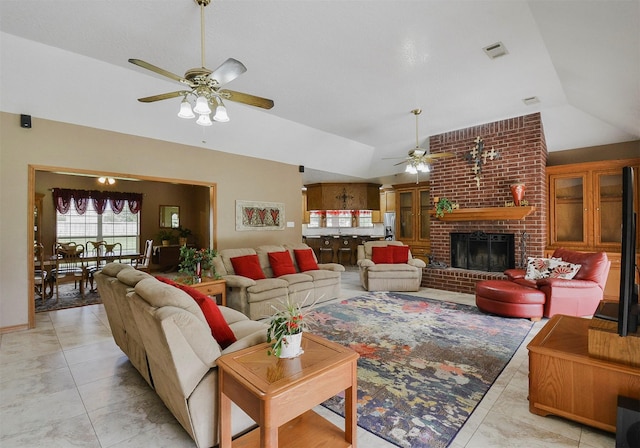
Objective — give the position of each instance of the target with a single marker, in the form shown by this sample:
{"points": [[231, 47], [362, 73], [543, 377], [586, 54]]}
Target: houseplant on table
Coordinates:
{"points": [[194, 261], [183, 235], [165, 236], [285, 330]]}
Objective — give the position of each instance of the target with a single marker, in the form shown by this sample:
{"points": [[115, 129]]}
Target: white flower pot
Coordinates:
{"points": [[291, 346]]}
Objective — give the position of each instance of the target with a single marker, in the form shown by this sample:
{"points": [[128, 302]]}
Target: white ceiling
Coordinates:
{"points": [[344, 75]]}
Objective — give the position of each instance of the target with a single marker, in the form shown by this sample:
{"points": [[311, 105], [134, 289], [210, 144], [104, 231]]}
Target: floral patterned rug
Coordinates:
{"points": [[424, 364]]}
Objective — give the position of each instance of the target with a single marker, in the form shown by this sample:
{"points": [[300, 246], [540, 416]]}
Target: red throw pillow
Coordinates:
{"points": [[400, 254], [248, 266], [382, 254], [281, 263], [305, 259], [220, 329]]}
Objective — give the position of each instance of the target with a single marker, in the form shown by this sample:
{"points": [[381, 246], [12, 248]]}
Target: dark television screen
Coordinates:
{"points": [[628, 305]]}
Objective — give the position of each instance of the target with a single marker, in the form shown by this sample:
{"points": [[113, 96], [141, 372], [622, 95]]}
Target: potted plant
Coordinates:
{"points": [[444, 205], [165, 236], [285, 329], [194, 261], [183, 235]]}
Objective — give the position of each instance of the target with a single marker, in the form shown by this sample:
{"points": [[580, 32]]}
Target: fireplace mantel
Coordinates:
{"points": [[486, 214]]}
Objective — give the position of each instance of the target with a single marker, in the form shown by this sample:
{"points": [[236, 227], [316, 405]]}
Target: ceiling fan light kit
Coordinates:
{"points": [[205, 85], [419, 159]]}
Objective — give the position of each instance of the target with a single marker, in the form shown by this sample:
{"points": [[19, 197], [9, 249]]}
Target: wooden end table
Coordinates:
{"points": [[279, 393], [211, 287]]}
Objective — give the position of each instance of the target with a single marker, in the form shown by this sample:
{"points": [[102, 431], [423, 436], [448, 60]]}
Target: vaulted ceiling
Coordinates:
{"points": [[344, 75]]}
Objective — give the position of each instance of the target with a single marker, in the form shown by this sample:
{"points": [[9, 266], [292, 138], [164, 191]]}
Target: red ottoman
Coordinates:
{"points": [[506, 298]]}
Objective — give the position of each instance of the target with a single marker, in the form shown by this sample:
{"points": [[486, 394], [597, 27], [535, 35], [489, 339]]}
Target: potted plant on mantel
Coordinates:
{"points": [[444, 205]]}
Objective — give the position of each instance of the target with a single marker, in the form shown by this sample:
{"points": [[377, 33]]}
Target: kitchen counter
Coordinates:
{"points": [[341, 249]]}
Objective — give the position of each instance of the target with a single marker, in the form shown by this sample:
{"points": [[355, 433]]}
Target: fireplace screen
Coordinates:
{"points": [[479, 251]]}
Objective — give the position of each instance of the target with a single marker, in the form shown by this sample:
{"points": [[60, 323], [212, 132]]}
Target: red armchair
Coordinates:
{"points": [[579, 296]]}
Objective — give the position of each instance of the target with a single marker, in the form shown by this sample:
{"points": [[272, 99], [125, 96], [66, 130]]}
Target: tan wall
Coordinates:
{"points": [[54, 144]]}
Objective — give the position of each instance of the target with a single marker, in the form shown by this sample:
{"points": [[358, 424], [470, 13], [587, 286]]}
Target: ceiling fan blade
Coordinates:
{"points": [[439, 155], [400, 163], [245, 98], [162, 96], [158, 70], [228, 71]]}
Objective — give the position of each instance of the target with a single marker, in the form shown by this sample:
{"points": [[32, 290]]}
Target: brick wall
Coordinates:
{"points": [[522, 151]]}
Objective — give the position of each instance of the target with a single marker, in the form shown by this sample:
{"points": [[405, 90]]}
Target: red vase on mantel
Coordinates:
{"points": [[517, 191]]}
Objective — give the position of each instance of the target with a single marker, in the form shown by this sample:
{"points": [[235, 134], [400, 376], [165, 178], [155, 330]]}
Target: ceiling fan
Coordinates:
{"points": [[205, 86], [419, 159]]}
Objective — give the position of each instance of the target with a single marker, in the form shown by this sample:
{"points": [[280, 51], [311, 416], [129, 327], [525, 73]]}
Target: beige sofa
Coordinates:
{"points": [[388, 276], [256, 298], [166, 336]]}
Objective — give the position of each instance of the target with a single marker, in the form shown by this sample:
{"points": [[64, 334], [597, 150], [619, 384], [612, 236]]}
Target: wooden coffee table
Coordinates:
{"points": [[279, 393]]}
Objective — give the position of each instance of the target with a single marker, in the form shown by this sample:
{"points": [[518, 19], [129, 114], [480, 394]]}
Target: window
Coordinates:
{"points": [[315, 219], [123, 228], [365, 218], [339, 218]]}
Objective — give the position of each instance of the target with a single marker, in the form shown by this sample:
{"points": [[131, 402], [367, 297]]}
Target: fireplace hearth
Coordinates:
{"points": [[480, 251]]}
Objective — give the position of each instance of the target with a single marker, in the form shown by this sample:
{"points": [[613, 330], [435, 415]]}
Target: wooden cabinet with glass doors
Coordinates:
{"points": [[413, 203], [585, 210]]}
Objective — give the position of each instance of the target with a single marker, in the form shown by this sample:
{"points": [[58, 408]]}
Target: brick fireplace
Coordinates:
{"points": [[522, 151]]}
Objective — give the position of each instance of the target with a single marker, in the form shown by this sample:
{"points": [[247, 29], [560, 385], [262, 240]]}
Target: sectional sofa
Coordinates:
{"points": [[260, 279], [168, 336]]}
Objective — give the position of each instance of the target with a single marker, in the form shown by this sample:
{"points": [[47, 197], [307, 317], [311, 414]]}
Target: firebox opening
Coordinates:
{"points": [[480, 251]]}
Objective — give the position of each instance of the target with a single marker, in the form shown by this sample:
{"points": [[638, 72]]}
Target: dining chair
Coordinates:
{"points": [[112, 252], [144, 262], [95, 253], [39, 271], [70, 267]]}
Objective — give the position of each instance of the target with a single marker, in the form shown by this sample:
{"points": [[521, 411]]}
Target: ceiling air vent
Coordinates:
{"points": [[531, 100], [495, 50]]}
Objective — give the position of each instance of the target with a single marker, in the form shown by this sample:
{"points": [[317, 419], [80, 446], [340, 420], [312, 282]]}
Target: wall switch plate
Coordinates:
{"points": [[290, 224]]}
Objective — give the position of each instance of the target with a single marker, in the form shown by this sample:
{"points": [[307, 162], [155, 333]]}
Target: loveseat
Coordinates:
{"points": [[169, 337], [388, 266], [261, 278]]}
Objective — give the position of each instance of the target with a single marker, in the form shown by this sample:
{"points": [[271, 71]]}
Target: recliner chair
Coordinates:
{"points": [[578, 296]]}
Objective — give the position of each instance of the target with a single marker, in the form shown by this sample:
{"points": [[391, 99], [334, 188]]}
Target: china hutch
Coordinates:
{"points": [[585, 210], [413, 204]]}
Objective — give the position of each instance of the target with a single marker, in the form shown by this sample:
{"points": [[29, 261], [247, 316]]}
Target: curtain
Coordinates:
{"points": [[63, 197]]}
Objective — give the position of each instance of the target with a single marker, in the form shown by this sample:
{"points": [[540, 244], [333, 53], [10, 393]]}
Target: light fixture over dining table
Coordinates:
{"points": [[106, 180]]}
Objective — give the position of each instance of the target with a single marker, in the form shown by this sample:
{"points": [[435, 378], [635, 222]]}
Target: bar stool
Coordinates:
{"points": [[345, 249], [326, 247]]}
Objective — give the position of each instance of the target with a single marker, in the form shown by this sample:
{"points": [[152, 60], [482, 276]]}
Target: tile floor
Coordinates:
{"points": [[66, 384]]}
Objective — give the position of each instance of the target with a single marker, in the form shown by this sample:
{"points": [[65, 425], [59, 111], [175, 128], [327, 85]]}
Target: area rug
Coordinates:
{"points": [[424, 364], [69, 298]]}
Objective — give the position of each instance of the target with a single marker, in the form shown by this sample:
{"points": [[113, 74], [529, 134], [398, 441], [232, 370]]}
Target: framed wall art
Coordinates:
{"points": [[252, 215]]}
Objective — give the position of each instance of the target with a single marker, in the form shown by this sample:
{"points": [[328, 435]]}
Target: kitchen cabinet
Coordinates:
{"points": [[585, 210], [306, 217], [413, 203], [387, 204], [343, 196]]}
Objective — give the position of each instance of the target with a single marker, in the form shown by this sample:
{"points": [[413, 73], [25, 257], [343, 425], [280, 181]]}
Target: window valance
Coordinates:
{"points": [[63, 197]]}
